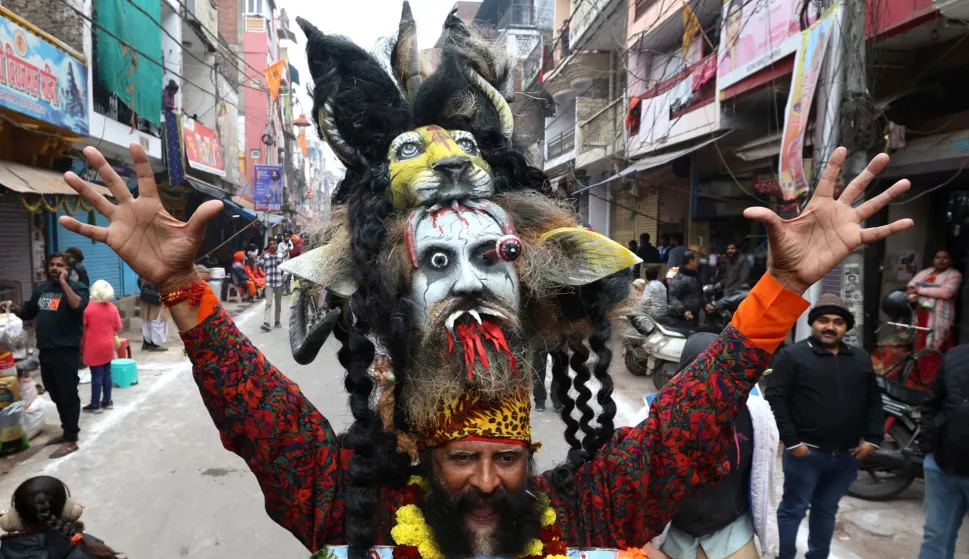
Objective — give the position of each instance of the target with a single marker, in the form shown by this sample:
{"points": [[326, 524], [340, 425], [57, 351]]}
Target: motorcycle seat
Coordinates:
{"points": [[679, 328], [902, 393]]}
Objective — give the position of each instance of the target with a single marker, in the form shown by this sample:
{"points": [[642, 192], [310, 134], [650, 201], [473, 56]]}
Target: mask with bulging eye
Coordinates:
{"points": [[429, 165]]}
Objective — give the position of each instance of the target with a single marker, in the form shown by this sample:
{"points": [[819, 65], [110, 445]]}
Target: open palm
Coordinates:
{"points": [[807, 247], [158, 247]]}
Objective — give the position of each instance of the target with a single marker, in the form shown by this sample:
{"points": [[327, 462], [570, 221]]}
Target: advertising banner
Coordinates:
{"points": [[269, 188], [807, 70], [203, 151], [757, 33], [39, 79]]}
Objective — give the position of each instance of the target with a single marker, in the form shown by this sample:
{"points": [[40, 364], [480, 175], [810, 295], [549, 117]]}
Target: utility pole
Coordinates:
{"points": [[856, 82]]}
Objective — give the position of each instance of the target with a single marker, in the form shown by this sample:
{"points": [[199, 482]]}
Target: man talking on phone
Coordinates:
{"points": [[58, 307]]}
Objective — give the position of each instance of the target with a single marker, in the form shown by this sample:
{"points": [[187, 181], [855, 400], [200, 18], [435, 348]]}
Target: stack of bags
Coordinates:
{"points": [[22, 413]]}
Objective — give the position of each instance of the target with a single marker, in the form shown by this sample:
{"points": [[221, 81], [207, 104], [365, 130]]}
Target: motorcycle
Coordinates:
{"points": [[654, 350], [898, 462]]}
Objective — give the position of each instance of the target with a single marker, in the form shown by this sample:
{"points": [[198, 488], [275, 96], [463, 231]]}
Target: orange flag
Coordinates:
{"points": [[274, 75], [302, 142]]}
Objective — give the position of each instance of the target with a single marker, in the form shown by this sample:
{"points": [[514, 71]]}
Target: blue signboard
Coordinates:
{"points": [[386, 552], [268, 196], [41, 80]]}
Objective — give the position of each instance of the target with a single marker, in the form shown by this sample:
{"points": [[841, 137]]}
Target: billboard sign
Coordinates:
{"points": [[40, 79], [269, 188], [203, 150]]}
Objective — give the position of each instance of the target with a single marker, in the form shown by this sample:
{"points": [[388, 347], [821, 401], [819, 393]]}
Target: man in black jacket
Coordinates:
{"points": [[828, 408], [686, 293], [945, 441]]}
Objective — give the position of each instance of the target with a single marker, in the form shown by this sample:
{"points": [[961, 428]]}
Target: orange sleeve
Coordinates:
{"points": [[768, 313]]}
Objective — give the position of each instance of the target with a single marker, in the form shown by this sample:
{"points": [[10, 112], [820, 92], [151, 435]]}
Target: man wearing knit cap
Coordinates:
{"points": [[829, 413]]}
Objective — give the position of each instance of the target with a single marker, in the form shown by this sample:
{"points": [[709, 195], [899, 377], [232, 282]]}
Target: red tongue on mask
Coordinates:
{"points": [[470, 335]]}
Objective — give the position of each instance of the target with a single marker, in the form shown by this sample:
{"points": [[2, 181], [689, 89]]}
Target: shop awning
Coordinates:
{"points": [[33, 180], [207, 188], [653, 161], [239, 210]]}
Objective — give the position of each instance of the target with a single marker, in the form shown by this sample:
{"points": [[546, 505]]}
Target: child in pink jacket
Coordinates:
{"points": [[101, 323]]}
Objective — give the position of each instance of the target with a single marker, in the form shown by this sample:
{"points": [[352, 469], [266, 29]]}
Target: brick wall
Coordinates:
{"points": [[53, 17], [229, 30]]}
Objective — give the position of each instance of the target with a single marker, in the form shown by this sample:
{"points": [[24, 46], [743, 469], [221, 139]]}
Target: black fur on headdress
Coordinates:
{"points": [[359, 109]]}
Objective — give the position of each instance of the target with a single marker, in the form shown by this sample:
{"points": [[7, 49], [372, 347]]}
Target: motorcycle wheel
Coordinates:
{"points": [[663, 374], [883, 484], [633, 366]]}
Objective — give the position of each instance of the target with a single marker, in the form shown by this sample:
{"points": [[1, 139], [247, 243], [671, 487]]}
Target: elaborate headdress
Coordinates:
{"points": [[445, 262]]}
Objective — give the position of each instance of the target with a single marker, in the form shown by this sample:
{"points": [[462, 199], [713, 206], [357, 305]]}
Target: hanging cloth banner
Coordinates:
{"points": [[807, 70], [274, 76]]}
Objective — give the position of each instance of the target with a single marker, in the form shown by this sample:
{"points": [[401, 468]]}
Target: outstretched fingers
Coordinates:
{"points": [[861, 182], [146, 177], [114, 183], [829, 177], [873, 234], [100, 203], [90, 231], [873, 206]]}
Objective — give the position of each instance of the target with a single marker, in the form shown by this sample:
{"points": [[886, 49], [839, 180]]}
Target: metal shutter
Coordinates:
{"points": [[623, 220], [15, 248], [674, 206], [648, 207], [101, 262]]}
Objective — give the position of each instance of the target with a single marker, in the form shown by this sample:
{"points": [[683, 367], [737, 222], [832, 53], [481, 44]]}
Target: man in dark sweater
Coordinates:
{"points": [[945, 441], [57, 305], [829, 412]]}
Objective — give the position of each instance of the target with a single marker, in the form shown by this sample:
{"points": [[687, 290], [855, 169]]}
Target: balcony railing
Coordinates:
{"points": [[110, 106], [518, 15], [561, 144], [533, 63]]}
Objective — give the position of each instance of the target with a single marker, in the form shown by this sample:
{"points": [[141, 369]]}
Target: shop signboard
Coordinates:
{"points": [[756, 34], [203, 150], [39, 78], [269, 188]]}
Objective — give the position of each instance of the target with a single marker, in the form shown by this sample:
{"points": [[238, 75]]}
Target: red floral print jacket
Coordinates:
{"points": [[627, 494]]}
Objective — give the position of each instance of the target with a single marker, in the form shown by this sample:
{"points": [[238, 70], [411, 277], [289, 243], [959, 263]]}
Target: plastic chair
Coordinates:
{"points": [[124, 349], [233, 294]]}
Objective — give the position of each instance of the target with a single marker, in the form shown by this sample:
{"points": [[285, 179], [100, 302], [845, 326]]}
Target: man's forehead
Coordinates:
{"points": [[448, 224], [482, 447]]}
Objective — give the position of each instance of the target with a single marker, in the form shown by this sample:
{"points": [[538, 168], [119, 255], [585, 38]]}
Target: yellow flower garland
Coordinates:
{"points": [[412, 529]]}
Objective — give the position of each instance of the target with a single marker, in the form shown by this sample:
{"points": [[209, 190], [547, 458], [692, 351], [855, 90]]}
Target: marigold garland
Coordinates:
{"points": [[415, 540]]}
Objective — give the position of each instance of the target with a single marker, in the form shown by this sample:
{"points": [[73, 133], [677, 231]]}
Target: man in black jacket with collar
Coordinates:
{"points": [[828, 407]]}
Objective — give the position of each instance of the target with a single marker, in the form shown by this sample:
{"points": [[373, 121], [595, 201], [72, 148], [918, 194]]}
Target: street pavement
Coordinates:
{"points": [[157, 484]]}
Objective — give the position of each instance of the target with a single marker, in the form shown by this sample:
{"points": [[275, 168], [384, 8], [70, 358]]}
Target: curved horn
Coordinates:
{"points": [[305, 337], [497, 100], [406, 56], [324, 118]]}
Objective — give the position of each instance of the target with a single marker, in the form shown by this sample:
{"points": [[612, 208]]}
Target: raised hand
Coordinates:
{"points": [[158, 247], [807, 247]]}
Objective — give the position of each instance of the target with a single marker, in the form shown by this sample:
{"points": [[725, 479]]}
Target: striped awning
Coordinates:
{"points": [[33, 180]]}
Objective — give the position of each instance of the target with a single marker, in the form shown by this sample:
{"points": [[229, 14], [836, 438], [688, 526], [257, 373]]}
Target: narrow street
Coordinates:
{"points": [[156, 482]]}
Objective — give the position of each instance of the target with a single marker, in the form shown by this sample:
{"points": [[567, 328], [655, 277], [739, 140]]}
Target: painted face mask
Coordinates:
{"points": [[430, 165]]}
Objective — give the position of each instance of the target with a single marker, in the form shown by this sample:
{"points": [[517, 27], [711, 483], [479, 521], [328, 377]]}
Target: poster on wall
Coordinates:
{"points": [[203, 150], [905, 264], [804, 82], [269, 188], [757, 33], [39, 79]]}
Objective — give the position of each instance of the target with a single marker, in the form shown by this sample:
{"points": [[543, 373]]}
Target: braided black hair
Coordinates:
{"points": [[39, 502]]}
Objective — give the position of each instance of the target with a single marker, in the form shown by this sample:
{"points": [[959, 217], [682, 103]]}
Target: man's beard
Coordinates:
{"points": [[452, 355], [519, 522]]}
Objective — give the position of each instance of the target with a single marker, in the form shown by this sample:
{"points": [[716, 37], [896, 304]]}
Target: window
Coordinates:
{"points": [[641, 7], [254, 7]]}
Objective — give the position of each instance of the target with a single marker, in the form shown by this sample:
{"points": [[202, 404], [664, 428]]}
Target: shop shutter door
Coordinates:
{"points": [[674, 205], [100, 261], [623, 219], [648, 213], [15, 248]]}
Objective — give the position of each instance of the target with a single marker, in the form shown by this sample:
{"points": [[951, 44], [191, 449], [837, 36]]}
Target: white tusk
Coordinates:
{"points": [[476, 316]]}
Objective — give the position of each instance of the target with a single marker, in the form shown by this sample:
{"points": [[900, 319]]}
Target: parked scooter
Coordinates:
{"points": [[654, 350]]}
